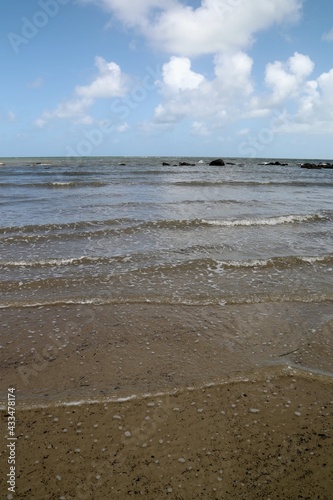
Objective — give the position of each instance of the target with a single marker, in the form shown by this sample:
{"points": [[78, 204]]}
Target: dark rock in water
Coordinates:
{"points": [[230, 163], [316, 166], [277, 163], [186, 164], [166, 164], [218, 162], [122, 164]]}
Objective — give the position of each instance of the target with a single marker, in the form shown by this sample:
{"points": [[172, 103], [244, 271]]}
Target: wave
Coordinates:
{"points": [[274, 262], [204, 183], [56, 184], [270, 221], [102, 228], [79, 184], [84, 260], [206, 263], [169, 301]]}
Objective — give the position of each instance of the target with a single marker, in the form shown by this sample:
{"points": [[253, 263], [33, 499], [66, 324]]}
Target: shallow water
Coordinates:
{"points": [[93, 231]]}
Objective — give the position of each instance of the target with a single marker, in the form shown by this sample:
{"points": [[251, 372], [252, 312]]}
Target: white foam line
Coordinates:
{"points": [[272, 221], [272, 372]]}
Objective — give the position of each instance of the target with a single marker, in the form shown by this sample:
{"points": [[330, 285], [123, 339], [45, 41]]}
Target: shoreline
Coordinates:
{"points": [[257, 376], [94, 352]]}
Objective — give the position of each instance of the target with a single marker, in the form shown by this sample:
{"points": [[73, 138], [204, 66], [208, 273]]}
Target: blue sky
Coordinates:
{"points": [[167, 77]]}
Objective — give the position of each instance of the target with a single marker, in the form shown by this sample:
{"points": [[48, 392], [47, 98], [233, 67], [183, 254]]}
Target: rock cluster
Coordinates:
{"points": [[316, 166]]}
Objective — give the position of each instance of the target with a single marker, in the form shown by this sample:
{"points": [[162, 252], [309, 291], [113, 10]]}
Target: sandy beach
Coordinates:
{"points": [[266, 438], [170, 402]]}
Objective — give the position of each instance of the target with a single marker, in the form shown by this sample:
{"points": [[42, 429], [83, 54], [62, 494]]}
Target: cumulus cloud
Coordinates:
{"points": [[177, 75], [313, 99], [109, 83], [214, 26], [189, 94], [233, 72], [286, 79]]}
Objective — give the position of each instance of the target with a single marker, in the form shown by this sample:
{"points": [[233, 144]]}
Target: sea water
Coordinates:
{"points": [[132, 230]]}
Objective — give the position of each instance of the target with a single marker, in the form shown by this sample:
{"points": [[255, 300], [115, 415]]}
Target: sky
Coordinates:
{"points": [[216, 78]]}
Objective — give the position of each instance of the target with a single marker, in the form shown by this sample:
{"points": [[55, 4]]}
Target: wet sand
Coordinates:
{"points": [[268, 438], [236, 409]]}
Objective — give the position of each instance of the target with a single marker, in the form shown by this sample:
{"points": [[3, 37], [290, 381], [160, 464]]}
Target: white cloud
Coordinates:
{"points": [[109, 83], [233, 73], [325, 82], [215, 26], [190, 94], [314, 112], [287, 79], [177, 75], [306, 104]]}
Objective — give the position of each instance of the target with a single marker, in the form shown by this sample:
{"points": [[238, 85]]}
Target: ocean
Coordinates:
{"points": [[132, 230]]}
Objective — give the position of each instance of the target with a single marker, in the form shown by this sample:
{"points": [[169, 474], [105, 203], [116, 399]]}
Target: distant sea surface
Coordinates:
{"points": [[131, 230]]}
